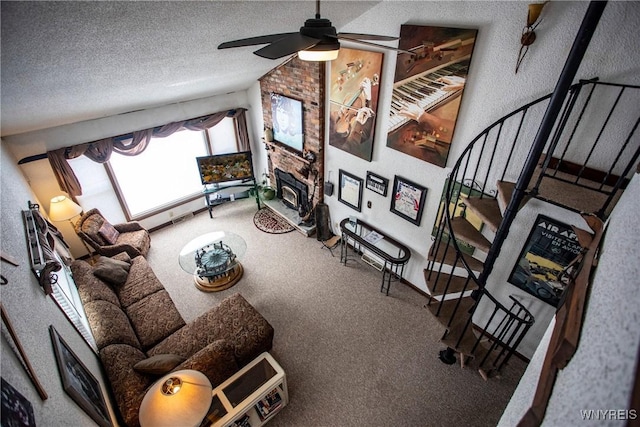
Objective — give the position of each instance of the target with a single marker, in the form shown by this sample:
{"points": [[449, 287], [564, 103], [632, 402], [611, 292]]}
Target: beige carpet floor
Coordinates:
{"points": [[352, 356]]}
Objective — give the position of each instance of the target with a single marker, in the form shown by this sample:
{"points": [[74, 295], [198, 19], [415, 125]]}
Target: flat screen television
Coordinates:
{"points": [[225, 167], [286, 114]]}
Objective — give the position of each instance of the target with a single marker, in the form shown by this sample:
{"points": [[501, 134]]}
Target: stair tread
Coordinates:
{"points": [[448, 308], [457, 283], [446, 254], [466, 232], [487, 209]]}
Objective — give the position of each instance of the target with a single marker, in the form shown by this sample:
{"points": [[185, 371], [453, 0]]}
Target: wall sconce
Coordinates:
{"points": [[528, 33], [181, 398]]}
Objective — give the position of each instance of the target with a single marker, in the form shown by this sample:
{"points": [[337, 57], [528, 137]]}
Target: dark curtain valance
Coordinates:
{"points": [[134, 144]]}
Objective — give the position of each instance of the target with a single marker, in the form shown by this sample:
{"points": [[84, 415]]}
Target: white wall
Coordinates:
{"points": [[601, 374], [31, 313]]}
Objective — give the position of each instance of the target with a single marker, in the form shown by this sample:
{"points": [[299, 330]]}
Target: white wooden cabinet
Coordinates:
{"points": [[251, 397]]}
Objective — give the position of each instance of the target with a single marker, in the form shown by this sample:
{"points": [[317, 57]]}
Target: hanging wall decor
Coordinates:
{"points": [[548, 253], [408, 199], [79, 382], [427, 90], [353, 101], [350, 190], [15, 409]]}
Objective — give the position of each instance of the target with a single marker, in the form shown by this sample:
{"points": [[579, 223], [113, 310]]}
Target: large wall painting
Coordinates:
{"points": [[546, 258], [427, 90], [353, 101]]}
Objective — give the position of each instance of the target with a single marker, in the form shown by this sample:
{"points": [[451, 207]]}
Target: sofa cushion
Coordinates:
{"points": [[154, 318], [216, 361], [234, 320], [159, 364], [128, 386], [140, 283], [108, 233], [111, 270], [91, 227], [109, 324], [90, 287]]}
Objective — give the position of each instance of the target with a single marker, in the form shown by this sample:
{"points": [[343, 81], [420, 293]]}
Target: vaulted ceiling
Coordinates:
{"points": [[65, 62]]}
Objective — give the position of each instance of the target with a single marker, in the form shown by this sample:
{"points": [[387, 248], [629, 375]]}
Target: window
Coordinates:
{"points": [[163, 174]]}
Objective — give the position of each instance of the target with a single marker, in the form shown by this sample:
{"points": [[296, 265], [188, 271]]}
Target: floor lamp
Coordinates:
{"points": [[62, 208]]}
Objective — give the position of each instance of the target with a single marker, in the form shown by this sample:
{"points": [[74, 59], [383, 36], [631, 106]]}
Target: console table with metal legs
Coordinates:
{"points": [[376, 249]]}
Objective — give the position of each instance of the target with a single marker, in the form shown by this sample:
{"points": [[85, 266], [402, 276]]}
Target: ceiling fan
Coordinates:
{"points": [[317, 40]]}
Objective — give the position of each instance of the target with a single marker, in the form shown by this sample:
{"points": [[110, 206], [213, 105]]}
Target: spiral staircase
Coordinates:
{"points": [[494, 178]]}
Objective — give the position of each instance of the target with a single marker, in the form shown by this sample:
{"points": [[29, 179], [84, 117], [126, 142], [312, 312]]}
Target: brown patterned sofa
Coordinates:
{"points": [[134, 321]]}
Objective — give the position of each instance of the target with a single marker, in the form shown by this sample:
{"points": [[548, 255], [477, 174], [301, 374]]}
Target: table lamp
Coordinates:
{"points": [[63, 208], [180, 398]]}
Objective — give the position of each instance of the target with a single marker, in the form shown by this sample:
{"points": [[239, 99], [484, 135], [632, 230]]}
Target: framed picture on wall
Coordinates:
{"points": [[78, 381], [16, 410], [408, 199], [547, 254], [353, 100], [350, 190], [377, 184], [286, 114], [427, 90]]}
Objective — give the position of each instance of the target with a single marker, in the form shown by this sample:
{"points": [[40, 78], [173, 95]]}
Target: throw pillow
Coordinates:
{"points": [[111, 270], [159, 364], [108, 233]]}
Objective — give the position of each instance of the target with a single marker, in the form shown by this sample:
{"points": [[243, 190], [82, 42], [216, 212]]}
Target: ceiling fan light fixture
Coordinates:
{"points": [[323, 51]]}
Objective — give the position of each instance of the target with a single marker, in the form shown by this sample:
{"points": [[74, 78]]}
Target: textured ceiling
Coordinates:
{"points": [[65, 62]]}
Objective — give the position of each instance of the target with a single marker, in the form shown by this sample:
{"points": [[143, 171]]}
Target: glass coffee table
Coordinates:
{"points": [[214, 260]]}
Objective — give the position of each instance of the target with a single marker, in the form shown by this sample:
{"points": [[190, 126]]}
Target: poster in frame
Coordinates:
{"points": [[427, 90], [353, 100], [78, 382], [545, 258], [408, 199], [350, 190], [15, 409], [286, 115], [377, 183]]}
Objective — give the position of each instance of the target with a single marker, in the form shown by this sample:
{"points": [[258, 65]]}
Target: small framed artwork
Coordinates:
{"points": [[377, 184], [408, 199], [350, 190], [78, 381], [545, 259], [16, 409]]}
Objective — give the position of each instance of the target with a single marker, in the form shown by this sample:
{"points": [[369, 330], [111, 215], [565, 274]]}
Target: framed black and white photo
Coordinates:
{"points": [[78, 381], [15, 409], [350, 190], [408, 199], [377, 184], [545, 258]]}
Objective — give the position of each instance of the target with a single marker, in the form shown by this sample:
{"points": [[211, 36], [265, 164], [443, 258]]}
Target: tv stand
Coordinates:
{"points": [[216, 194]]}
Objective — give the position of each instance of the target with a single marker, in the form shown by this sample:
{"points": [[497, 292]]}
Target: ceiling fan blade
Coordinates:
{"points": [[252, 41], [287, 46], [357, 36], [373, 44]]}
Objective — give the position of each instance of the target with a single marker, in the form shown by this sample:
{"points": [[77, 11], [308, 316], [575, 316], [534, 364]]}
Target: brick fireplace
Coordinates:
{"points": [[303, 81]]}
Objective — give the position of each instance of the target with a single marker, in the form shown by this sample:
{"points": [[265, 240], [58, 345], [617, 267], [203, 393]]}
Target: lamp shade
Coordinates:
{"points": [[63, 208], [180, 398]]}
